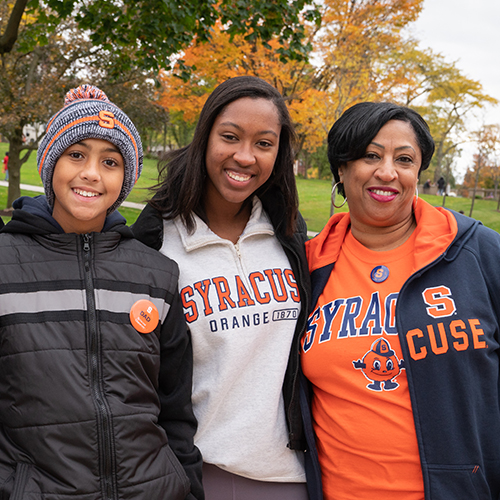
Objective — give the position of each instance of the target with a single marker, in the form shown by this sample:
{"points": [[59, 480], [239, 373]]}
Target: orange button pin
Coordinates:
{"points": [[144, 316]]}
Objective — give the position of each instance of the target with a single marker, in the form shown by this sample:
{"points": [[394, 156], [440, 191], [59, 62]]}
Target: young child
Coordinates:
{"points": [[95, 358]]}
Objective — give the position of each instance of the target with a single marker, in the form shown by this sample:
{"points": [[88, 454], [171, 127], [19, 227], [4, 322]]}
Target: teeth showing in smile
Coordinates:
{"points": [[381, 192], [238, 177], [85, 193]]}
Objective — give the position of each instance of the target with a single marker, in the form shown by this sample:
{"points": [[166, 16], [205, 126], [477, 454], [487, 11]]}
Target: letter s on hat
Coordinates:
{"points": [[106, 119]]}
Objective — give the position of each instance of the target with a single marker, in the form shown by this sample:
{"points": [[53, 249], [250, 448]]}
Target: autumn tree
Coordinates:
{"points": [[34, 79], [362, 51], [32, 86], [491, 171], [128, 36], [354, 44], [443, 95], [354, 48], [487, 139], [366, 53], [450, 105], [226, 58]]}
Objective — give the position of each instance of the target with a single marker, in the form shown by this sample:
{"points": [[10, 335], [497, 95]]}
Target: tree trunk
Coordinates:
{"points": [[8, 39], [447, 179], [439, 160], [164, 138], [475, 186], [16, 145]]}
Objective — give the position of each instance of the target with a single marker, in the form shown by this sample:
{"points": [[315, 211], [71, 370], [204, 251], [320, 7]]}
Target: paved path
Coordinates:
{"points": [[38, 189], [128, 204]]}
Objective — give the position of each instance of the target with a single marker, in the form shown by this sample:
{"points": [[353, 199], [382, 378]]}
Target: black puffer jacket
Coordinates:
{"points": [[89, 407]]}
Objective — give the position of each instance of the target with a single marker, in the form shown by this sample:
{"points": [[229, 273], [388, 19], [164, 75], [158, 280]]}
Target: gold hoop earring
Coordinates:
{"points": [[333, 196]]}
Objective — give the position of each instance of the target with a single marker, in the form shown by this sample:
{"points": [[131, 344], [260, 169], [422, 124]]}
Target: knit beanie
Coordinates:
{"points": [[89, 114]]}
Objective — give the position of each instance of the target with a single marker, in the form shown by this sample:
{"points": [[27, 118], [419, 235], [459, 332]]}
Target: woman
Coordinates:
{"points": [[226, 211], [402, 345]]}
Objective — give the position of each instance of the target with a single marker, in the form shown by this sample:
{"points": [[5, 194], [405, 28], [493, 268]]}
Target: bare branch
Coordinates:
{"points": [[8, 39]]}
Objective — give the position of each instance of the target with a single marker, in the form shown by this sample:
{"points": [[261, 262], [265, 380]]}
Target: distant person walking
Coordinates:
{"points": [[5, 165], [441, 185]]}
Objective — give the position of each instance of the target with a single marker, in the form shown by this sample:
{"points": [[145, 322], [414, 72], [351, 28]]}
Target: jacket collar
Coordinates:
{"points": [[437, 229], [34, 216], [258, 223]]}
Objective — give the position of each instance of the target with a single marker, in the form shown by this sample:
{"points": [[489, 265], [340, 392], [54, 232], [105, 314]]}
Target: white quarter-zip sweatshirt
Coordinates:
{"points": [[241, 302]]}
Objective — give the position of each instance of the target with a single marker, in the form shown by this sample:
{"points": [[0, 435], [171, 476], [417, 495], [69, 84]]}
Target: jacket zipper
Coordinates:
{"points": [[239, 265], [106, 450]]}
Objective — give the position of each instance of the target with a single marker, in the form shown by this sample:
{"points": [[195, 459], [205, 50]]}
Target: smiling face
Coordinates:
{"points": [[380, 368], [241, 152], [87, 180], [380, 186]]}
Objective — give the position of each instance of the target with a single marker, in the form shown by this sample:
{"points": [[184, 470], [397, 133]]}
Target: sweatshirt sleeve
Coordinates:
{"points": [[175, 387]]}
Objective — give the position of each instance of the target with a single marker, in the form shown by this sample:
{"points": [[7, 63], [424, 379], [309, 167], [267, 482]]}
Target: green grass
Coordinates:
{"points": [[314, 197], [29, 175]]}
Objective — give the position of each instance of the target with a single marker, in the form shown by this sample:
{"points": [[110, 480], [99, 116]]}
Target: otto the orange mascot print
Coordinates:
{"points": [[380, 365]]}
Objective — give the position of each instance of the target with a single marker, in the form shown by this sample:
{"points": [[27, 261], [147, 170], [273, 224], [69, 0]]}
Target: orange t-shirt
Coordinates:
{"points": [[362, 411]]}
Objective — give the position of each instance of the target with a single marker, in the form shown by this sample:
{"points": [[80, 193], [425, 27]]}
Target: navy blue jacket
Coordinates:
{"points": [[454, 380]]}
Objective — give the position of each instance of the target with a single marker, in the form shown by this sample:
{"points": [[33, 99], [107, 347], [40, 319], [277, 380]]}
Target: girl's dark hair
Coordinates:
{"points": [[182, 178], [355, 129]]}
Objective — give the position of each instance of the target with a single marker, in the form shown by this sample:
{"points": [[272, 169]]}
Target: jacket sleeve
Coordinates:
{"points": [[148, 228], [175, 387], [301, 231], [488, 249]]}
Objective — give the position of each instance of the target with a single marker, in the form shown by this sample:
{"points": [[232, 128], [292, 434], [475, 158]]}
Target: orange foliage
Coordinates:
{"points": [[224, 58], [361, 53]]}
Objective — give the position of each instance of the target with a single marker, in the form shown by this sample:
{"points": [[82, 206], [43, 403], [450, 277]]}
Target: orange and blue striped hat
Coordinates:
{"points": [[89, 114]]}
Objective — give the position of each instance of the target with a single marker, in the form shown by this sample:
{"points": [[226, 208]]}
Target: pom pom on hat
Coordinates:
{"points": [[89, 114], [85, 92]]}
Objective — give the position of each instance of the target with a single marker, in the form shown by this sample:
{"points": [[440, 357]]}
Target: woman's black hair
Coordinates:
{"points": [[351, 134], [182, 178]]}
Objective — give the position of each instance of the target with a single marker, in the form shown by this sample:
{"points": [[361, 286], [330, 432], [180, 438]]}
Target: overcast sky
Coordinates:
{"points": [[466, 32]]}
